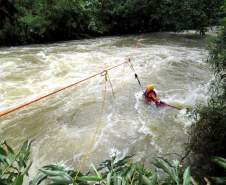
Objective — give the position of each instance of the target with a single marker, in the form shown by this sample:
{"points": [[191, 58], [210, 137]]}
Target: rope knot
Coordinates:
{"points": [[105, 74]]}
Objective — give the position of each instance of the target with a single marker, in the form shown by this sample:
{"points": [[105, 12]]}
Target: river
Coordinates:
{"points": [[62, 126]]}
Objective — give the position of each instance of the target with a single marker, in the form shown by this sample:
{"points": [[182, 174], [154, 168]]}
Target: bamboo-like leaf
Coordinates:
{"points": [[9, 149], [115, 181], [109, 178], [105, 164], [164, 165], [89, 178], [124, 181], [123, 161], [66, 179], [23, 154], [154, 179], [125, 170], [220, 161], [18, 180], [219, 180], [145, 180], [25, 147], [38, 179], [25, 172], [119, 181], [4, 159], [95, 170], [54, 167], [53, 172], [130, 173], [186, 176], [167, 168], [2, 150]]}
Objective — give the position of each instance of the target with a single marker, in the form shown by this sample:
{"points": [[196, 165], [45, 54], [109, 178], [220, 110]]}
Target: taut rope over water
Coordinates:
{"points": [[18, 107]]}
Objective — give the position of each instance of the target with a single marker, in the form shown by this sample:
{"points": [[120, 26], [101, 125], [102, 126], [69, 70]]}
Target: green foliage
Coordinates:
{"points": [[171, 170], [208, 135], [55, 174], [144, 16], [51, 19], [222, 163], [186, 176], [175, 172], [115, 172], [14, 166], [34, 21]]}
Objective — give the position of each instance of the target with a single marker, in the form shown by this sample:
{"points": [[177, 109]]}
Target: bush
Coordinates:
{"points": [[208, 135], [36, 21], [14, 166], [113, 172]]}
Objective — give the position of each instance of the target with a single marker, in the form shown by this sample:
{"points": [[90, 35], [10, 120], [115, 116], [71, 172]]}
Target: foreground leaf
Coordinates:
{"points": [[89, 178], [219, 180], [19, 180], [186, 176], [167, 168], [220, 161]]}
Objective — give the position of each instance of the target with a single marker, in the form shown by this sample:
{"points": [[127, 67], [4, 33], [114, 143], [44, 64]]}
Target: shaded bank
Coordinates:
{"points": [[208, 134], [41, 21]]}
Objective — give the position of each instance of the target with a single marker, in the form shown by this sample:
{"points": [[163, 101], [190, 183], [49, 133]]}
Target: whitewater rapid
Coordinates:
{"points": [[62, 126]]}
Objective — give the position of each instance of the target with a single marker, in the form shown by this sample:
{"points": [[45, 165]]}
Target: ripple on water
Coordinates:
{"points": [[63, 125]]}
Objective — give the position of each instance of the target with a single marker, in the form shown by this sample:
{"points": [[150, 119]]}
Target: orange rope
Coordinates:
{"points": [[56, 91]]}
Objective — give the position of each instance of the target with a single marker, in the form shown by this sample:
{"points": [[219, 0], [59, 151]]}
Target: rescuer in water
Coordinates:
{"points": [[151, 96]]}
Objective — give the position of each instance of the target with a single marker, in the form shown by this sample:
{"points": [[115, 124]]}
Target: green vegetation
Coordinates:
{"points": [[157, 15], [14, 167], [116, 172], [222, 163], [35, 21], [208, 136]]}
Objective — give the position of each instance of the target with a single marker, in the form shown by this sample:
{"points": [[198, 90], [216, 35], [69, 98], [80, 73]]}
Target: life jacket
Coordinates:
{"points": [[150, 96]]}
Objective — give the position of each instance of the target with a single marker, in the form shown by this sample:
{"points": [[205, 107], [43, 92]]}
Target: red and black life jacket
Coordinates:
{"points": [[150, 96]]}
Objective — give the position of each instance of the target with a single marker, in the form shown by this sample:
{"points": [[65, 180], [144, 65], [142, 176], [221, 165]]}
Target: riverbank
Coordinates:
{"points": [[39, 21], [208, 133]]}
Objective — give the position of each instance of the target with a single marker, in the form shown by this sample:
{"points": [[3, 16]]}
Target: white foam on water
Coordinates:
{"points": [[63, 124], [143, 127]]}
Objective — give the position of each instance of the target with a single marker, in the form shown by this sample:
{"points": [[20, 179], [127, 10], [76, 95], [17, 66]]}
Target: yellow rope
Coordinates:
{"points": [[93, 140], [98, 127], [112, 90]]}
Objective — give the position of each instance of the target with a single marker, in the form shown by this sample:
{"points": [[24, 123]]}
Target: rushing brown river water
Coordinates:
{"points": [[62, 125]]}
